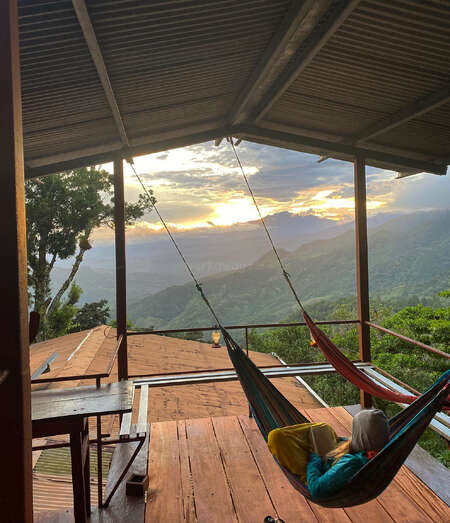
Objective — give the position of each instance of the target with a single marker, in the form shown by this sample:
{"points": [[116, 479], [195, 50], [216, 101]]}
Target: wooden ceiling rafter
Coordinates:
{"points": [[324, 28], [97, 57], [403, 115], [276, 53], [337, 149]]}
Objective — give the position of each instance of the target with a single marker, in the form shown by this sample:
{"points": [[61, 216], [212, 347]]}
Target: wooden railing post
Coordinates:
{"points": [[121, 290], [362, 267], [15, 388], [250, 414]]}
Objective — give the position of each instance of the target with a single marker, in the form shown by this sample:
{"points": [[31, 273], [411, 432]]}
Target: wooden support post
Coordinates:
{"points": [[362, 267], [15, 388], [121, 288]]}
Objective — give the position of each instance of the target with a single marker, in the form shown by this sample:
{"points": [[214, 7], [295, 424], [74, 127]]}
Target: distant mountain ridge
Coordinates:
{"points": [[154, 265], [407, 255]]}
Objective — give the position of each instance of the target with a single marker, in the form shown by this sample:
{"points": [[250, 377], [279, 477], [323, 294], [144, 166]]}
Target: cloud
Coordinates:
{"points": [[203, 183], [421, 192]]}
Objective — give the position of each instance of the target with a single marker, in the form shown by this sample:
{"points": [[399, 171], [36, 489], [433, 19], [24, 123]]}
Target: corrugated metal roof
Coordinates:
{"points": [[179, 71], [385, 56]]}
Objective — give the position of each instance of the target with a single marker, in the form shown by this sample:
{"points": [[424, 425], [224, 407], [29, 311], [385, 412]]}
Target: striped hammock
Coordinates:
{"points": [[272, 410]]}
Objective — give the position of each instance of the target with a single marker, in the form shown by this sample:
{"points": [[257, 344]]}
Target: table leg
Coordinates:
{"points": [[86, 464], [78, 473]]}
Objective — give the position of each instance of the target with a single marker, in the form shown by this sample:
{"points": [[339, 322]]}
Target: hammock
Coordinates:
{"points": [[272, 410], [349, 370]]}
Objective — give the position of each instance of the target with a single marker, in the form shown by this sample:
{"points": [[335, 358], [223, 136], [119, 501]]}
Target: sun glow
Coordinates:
{"points": [[237, 210]]}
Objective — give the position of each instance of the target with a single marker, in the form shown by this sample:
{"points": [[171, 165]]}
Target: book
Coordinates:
{"points": [[323, 439]]}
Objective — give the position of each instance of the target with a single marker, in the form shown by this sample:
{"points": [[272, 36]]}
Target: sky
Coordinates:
{"points": [[201, 186]]}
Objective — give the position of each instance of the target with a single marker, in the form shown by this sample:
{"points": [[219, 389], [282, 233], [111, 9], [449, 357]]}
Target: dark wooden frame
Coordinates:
{"points": [[362, 267], [121, 288], [15, 391]]}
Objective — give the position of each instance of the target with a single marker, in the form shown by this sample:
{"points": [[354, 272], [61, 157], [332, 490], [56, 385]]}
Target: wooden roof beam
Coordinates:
{"points": [[335, 149], [97, 57], [276, 55], [325, 27], [407, 113], [105, 154]]}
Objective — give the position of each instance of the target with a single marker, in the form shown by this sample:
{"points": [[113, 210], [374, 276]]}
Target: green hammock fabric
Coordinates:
{"points": [[272, 410]]}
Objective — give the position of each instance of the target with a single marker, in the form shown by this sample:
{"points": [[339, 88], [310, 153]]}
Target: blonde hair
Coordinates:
{"points": [[344, 448]]}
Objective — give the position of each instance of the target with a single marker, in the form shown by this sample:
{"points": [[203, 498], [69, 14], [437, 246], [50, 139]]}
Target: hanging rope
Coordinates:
{"points": [[197, 283], [283, 270]]}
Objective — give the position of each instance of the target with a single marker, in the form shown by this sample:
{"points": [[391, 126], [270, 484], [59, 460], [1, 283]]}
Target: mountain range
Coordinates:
{"points": [[408, 255], [153, 264]]}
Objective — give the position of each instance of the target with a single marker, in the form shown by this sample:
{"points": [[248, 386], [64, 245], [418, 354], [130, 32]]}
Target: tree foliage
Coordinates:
{"points": [[59, 320], [91, 315], [62, 211]]}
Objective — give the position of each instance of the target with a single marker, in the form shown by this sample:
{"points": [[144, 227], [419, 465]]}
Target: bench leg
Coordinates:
{"points": [[125, 470], [99, 461]]}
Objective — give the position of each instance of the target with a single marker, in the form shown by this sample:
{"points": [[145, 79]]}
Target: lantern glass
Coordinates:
{"points": [[216, 337]]}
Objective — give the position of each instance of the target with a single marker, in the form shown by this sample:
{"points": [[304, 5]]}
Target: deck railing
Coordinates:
{"points": [[424, 346], [301, 367]]}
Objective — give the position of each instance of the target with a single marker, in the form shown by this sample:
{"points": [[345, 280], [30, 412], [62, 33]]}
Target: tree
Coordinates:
{"points": [[62, 211], [59, 321], [91, 315]]}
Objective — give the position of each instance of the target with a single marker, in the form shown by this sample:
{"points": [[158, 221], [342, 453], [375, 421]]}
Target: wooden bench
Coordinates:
{"points": [[132, 442]]}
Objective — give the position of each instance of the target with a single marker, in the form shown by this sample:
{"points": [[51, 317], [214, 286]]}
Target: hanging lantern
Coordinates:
{"points": [[216, 339]]}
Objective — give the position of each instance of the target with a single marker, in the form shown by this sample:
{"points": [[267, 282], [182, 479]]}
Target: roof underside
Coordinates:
{"points": [[109, 78]]}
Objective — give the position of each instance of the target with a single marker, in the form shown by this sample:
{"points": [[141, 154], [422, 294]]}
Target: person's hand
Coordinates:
{"points": [[313, 456]]}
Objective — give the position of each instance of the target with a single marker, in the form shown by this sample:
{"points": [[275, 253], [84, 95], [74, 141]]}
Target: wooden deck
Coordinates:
{"points": [[219, 469]]}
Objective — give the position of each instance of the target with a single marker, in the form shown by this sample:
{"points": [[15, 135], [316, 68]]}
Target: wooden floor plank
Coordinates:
{"points": [[371, 511], [164, 500], [250, 497], [423, 496], [394, 499], [213, 500], [220, 470], [289, 504], [186, 476]]}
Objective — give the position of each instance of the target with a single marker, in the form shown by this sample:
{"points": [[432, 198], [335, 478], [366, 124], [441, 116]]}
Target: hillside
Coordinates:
{"points": [[153, 264], [407, 255]]}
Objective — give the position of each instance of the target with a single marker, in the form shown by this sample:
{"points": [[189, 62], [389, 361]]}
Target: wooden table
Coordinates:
{"points": [[65, 411]]}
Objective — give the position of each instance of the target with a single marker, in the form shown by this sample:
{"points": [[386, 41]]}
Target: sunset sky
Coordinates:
{"points": [[201, 186]]}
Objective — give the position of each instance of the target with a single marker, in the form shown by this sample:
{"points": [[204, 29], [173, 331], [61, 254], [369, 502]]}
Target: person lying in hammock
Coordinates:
{"points": [[294, 449]]}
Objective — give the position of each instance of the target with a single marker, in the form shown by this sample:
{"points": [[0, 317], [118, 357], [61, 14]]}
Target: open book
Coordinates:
{"points": [[323, 440]]}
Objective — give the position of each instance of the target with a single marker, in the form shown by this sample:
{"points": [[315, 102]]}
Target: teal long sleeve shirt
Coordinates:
{"points": [[325, 480]]}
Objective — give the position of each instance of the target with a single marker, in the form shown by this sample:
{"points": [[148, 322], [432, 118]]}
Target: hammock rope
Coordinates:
{"points": [[198, 285], [332, 353], [283, 269]]}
